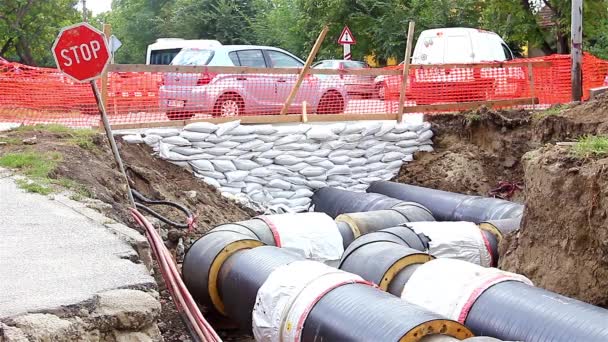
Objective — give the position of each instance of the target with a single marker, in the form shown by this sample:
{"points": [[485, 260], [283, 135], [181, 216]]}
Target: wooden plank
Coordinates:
{"points": [[469, 105], [107, 32], [406, 68], [531, 80], [307, 64], [482, 65]]}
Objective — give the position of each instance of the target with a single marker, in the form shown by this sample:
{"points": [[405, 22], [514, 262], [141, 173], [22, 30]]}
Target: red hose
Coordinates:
{"points": [[179, 293]]}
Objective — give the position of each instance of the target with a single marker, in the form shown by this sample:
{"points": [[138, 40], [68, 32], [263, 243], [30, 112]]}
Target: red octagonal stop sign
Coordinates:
{"points": [[81, 52]]}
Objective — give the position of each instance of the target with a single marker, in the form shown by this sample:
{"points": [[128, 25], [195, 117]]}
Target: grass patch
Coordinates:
{"points": [[82, 137], [555, 110], [10, 140], [33, 186], [79, 191], [590, 146], [32, 164]]}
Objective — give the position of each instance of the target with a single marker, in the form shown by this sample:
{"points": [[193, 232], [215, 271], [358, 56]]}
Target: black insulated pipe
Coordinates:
{"points": [[334, 202], [500, 228], [449, 206], [515, 311], [255, 227]]}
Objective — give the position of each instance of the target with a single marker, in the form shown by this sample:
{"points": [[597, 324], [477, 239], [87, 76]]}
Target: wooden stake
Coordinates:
{"points": [[107, 32], [406, 69], [531, 80], [304, 112], [311, 57], [576, 32]]}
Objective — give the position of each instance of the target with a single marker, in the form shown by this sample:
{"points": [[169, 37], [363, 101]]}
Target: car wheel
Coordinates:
{"points": [[179, 115], [331, 103], [229, 105]]}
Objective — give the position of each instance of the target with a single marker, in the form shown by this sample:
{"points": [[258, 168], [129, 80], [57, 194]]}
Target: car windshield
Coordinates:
{"points": [[336, 65], [353, 65], [192, 57]]}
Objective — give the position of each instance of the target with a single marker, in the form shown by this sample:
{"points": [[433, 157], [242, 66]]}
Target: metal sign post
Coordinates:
{"points": [[81, 52], [346, 39]]}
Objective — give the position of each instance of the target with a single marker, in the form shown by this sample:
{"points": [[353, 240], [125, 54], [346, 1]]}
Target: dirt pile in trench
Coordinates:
{"points": [[563, 243]]}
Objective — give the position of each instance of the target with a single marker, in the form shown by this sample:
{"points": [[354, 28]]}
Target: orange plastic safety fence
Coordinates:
{"points": [[32, 95]]}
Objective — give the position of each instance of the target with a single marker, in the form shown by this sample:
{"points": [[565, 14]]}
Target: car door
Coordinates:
{"points": [[285, 82], [258, 89]]}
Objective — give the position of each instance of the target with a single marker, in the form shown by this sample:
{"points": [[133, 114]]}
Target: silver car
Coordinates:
{"points": [[184, 94], [361, 85]]}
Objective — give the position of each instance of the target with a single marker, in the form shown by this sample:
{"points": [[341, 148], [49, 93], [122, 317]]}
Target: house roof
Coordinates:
{"points": [[546, 17]]}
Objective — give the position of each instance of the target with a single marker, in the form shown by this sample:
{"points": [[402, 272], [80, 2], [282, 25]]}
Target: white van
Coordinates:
{"points": [[164, 49], [460, 45]]}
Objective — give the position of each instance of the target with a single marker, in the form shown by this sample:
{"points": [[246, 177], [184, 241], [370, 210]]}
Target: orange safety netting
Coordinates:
{"points": [[44, 95]]}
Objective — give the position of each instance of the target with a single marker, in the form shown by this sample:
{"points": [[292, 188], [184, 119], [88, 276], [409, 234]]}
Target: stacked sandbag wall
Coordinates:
{"points": [[281, 165]]}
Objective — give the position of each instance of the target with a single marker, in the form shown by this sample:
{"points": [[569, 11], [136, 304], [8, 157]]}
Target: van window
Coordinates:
{"points": [[282, 60], [192, 57], [458, 50], [164, 56], [251, 58], [507, 51], [234, 58]]}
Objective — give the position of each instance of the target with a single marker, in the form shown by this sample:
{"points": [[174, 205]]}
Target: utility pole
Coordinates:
{"points": [[84, 11], [576, 50]]}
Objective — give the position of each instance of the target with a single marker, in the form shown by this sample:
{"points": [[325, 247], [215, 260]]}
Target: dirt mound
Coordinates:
{"points": [[563, 244]]}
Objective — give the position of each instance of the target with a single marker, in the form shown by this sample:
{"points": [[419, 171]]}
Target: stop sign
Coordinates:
{"points": [[81, 52]]}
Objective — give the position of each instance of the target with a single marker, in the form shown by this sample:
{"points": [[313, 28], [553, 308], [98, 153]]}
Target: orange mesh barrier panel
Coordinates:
{"points": [[44, 95]]}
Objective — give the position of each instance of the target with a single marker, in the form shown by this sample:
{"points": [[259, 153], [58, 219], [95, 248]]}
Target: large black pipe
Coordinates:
{"points": [[449, 206], [500, 228], [515, 311], [334, 202]]}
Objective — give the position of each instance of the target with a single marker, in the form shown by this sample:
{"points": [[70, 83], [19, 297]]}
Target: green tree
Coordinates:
{"points": [[29, 27]]}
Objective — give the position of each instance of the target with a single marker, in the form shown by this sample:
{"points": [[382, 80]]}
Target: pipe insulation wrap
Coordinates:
{"points": [[500, 228], [334, 202], [243, 274], [204, 259], [359, 312], [380, 261], [450, 287], [314, 236], [456, 240], [255, 226], [519, 312], [367, 222], [287, 296], [449, 206]]}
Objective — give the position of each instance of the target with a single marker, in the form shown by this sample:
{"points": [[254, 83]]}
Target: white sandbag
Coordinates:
{"points": [[289, 147], [225, 157], [394, 165], [282, 194], [386, 127], [302, 193], [312, 171], [358, 169], [212, 174], [414, 126], [296, 180], [218, 139], [202, 165], [350, 145], [425, 127], [375, 150], [371, 128], [392, 148], [251, 187], [409, 150], [426, 135], [223, 165], [271, 154], [368, 143], [280, 184], [300, 209], [400, 136], [292, 129], [375, 167], [317, 184], [341, 179], [261, 172], [297, 167], [354, 162], [326, 164], [263, 161], [321, 133], [401, 127], [227, 189], [235, 184], [201, 127], [280, 169], [194, 136], [286, 159], [354, 128], [163, 132], [250, 145], [375, 158], [351, 137], [299, 202], [337, 128], [249, 155], [338, 153], [203, 144], [263, 147], [228, 144], [308, 147], [243, 138], [289, 139], [226, 127], [211, 181], [245, 165], [180, 163], [177, 141], [408, 158], [339, 170], [314, 159], [318, 178], [253, 179], [358, 187], [407, 143], [236, 152], [269, 138], [186, 151], [381, 174], [299, 154], [275, 201], [260, 197], [264, 129], [300, 187], [133, 138], [392, 156], [152, 139], [425, 142], [323, 152], [426, 148], [242, 130], [356, 153], [340, 159], [236, 176], [369, 180], [333, 145]]}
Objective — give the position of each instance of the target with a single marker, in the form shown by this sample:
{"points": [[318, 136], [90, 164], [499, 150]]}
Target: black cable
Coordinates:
{"points": [[139, 198]]}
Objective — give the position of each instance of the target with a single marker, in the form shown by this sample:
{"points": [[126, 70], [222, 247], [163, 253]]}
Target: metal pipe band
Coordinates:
{"points": [[358, 312], [255, 228], [518, 312], [449, 206], [371, 221], [334, 202], [204, 260], [400, 235], [380, 261], [241, 277], [500, 228]]}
